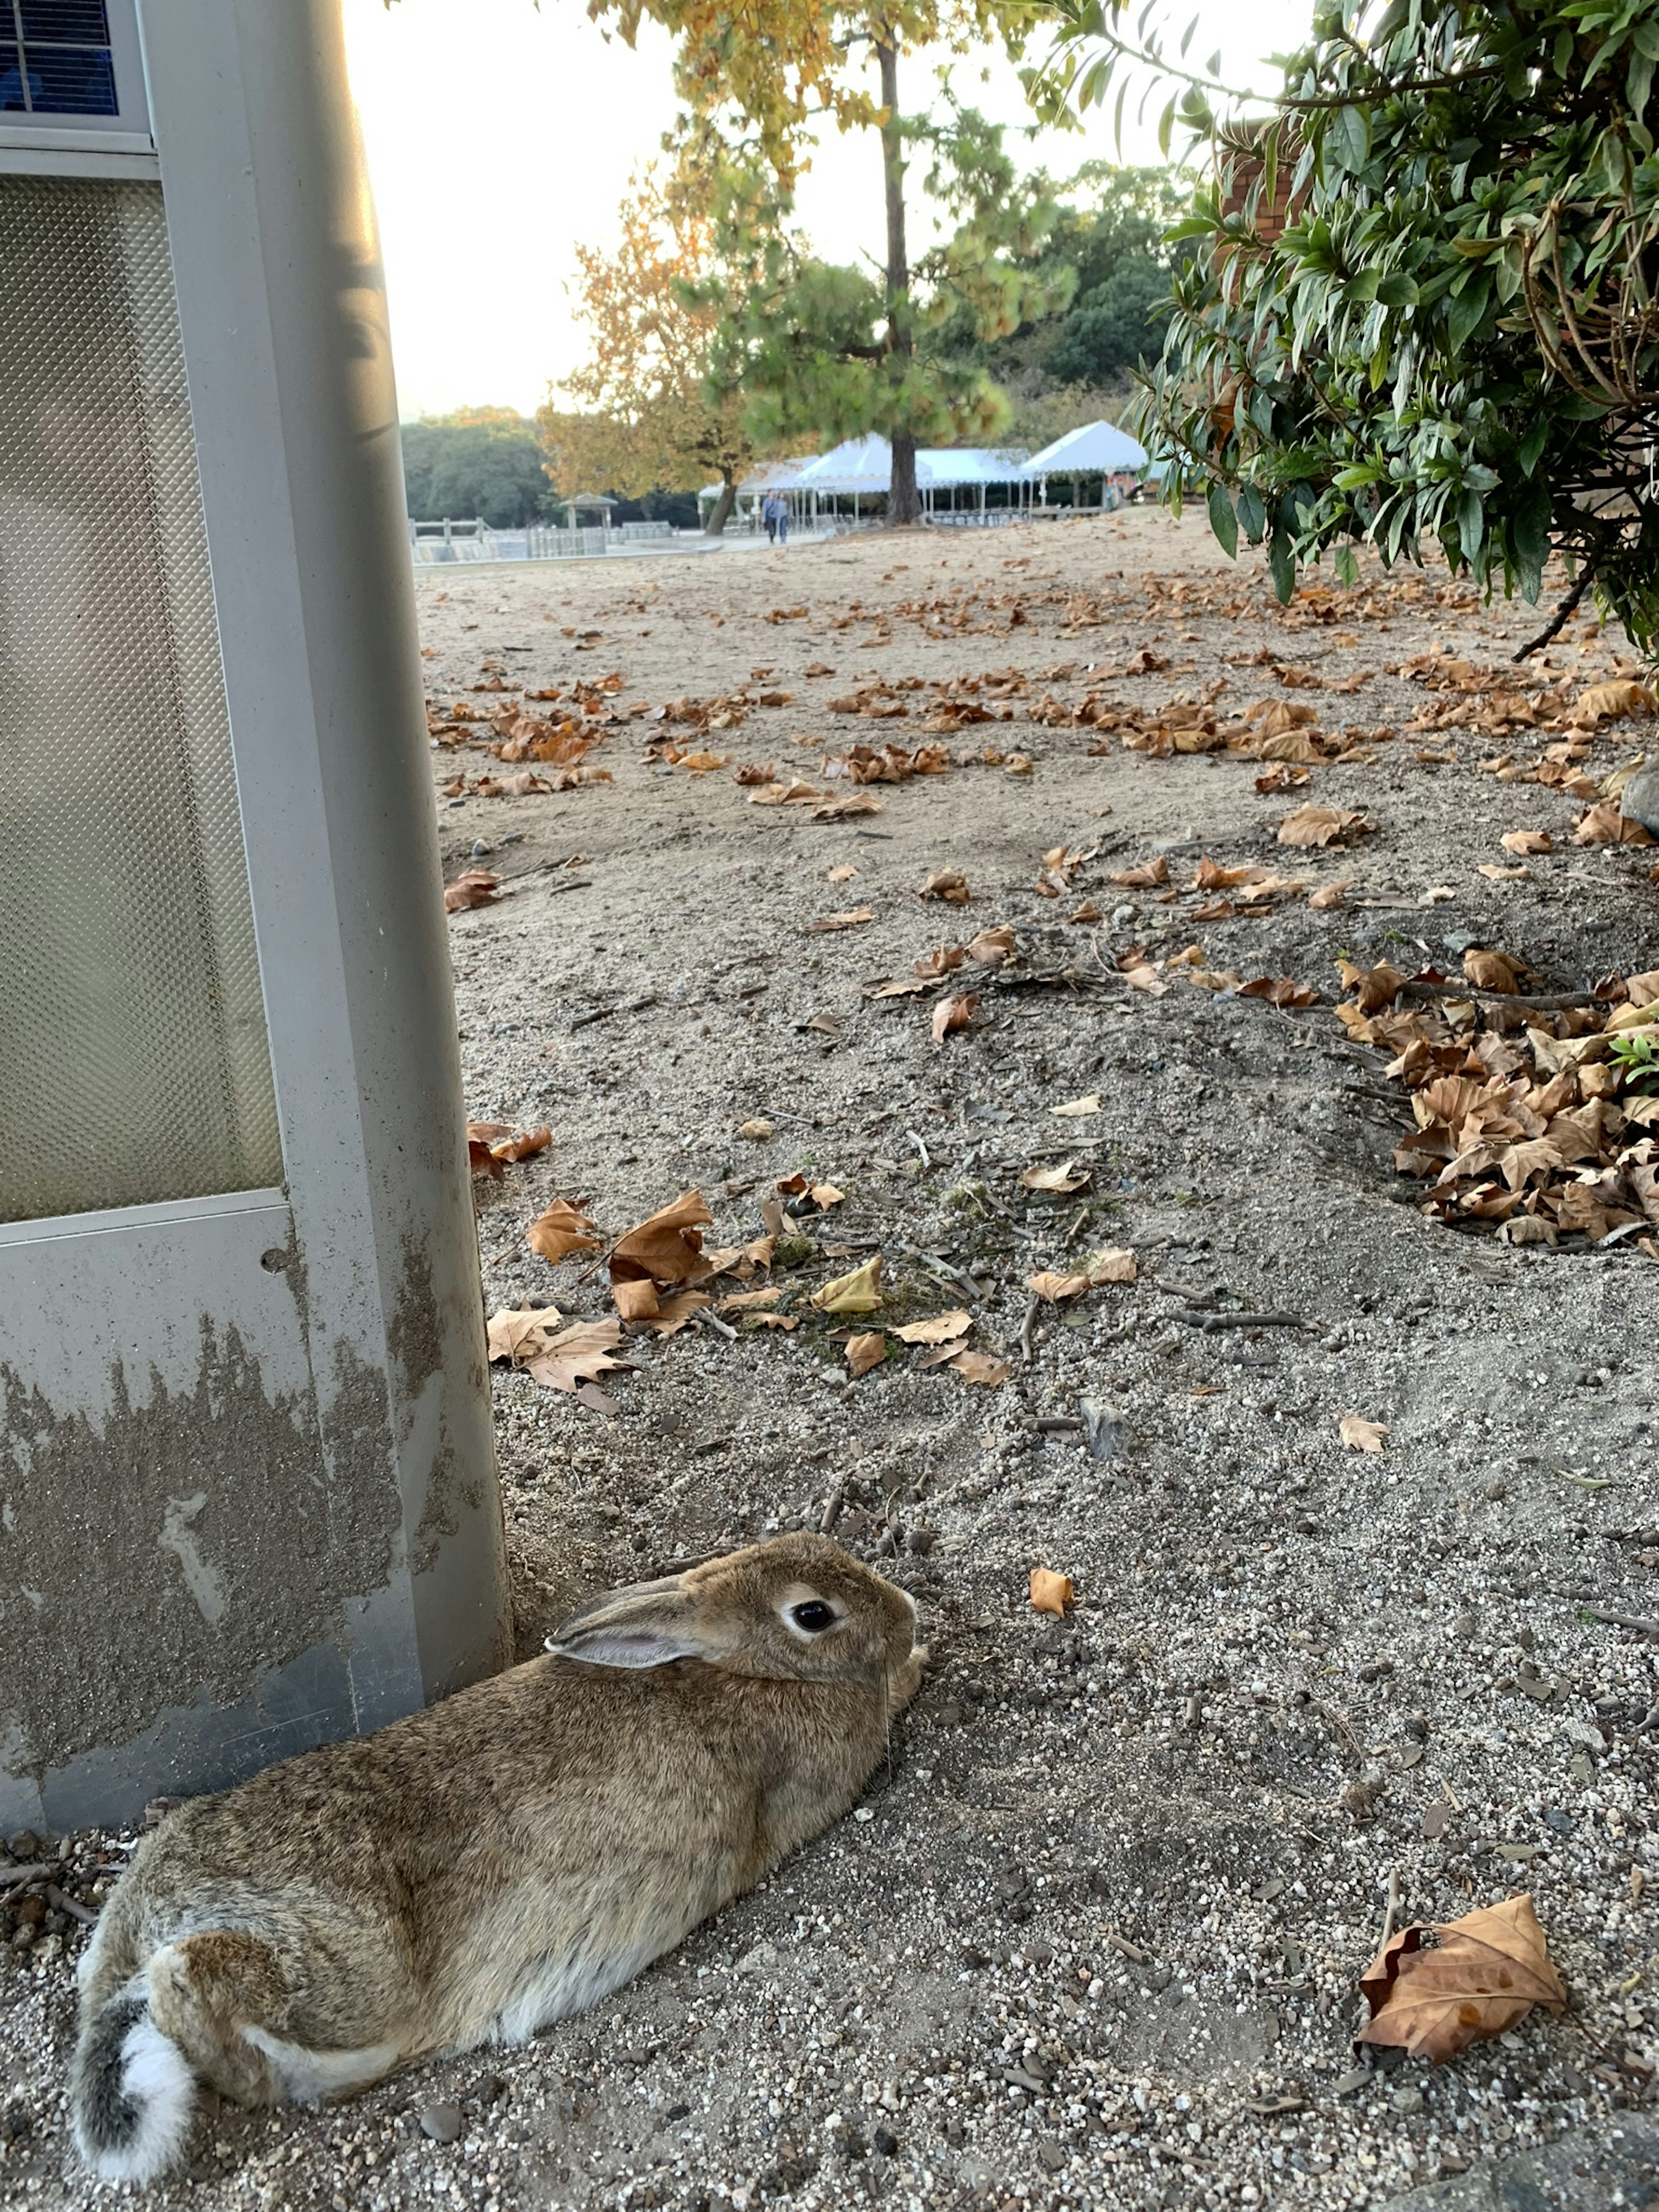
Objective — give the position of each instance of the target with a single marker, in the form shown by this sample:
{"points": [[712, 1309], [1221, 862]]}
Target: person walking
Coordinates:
{"points": [[770, 516], [783, 518]]}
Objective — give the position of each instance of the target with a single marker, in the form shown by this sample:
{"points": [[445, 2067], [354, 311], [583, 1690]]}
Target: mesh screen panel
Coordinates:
{"points": [[134, 1061]]}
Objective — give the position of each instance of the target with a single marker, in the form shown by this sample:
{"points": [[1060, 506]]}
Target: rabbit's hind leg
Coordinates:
{"points": [[205, 1991]]}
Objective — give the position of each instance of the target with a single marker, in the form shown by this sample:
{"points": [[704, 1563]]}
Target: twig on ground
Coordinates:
{"points": [[1210, 1322], [1026, 1353], [72, 1905], [17, 1877], [1636, 1620], [1390, 1918]]}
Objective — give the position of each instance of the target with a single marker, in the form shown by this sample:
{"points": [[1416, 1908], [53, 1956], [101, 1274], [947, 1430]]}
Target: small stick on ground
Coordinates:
{"points": [[1391, 1918], [1209, 1323], [75, 1910], [1027, 1355], [1643, 1627]]}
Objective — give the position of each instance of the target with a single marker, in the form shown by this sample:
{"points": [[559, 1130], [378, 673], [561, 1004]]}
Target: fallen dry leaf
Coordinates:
{"points": [[1329, 895], [753, 1301], [1279, 991], [992, 947], [1112, 1263], [667, 1247], [1055, 1289], [1075, 1108], [1321, 825], [1521, 842], [1362, 1436], [954, 1013], [1605, 825], [563, 1228], [636, 1300], [1490, 971], [857, 1292], [1050, 1593], [1611, 702], [672, 1313], [982, 1367], [1146, 878], [476, 888], [1484, 1974], [850, 920], [940, 960], [866, 1352], [843, 874], [580, 1354], [946, 885], [1068, 1176], [524, 1146], [942, 1328], [524, 1331]]}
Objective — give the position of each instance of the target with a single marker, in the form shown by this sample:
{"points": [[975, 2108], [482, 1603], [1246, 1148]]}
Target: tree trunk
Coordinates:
{"points": [[721, 514], [903, 505]]}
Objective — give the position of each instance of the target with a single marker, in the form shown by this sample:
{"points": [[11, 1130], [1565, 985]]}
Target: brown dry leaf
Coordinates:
{"points": [[1146, 878], [1075, 1108], [942, 1328], [1145, 977], [1362, 1436], [1050, 1593], [1485, 1973], [753, 1301], [1490, 971], [563, 1228], [1054, 1288], [866, 1352], [993, 947], [1611, 702], [1331, 894], [1210, 876], [1321, 825], [703, 763], [752, 772], [946, 885], [983, 1367], [524, 1146], [1521, 842], [481, 1138], [902, 989], [1605, 825], [519, 1334], [1112, 1263], [848, 920], [1279, 991], [1494, 874], [668, 1246], [580, 1354], [843, 874], [636, 1300], [857, 1292], [1068, 1176], [953, 1014], [940, 962], [1087, 912], [476, 888], [672, 1313]]}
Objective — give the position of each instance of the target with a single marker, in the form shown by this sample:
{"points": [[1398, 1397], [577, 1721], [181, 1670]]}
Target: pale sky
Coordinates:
{"points": [[500, 137]]}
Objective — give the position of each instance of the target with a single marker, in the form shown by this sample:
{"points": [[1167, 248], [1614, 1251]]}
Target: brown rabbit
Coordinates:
{"points": [[496, 1862]]}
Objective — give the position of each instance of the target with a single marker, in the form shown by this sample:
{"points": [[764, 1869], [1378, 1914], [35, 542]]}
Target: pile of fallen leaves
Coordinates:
{"points": [[663, 1277], [1536, 1112]]}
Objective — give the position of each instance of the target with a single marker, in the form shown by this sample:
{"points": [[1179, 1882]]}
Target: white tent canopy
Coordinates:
{"points": [[861, 465], [1097, 449]]}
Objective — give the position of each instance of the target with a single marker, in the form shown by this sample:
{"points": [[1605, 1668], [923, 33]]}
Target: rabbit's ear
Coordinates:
{"points": [[644, 1626]]}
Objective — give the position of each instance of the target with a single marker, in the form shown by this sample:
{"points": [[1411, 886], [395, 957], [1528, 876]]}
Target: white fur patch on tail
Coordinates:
{"points": [[156, 2083]]}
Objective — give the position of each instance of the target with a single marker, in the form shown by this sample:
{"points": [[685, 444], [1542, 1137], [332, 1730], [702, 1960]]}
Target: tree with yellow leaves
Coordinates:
{"points": [[653, 414], [826, 350]]}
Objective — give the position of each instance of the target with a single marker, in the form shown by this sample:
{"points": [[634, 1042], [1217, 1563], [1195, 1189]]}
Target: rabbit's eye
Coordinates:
{"points": [[814, 1616]]}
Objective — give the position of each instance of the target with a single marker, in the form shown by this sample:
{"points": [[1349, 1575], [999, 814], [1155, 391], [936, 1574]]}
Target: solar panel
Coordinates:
{"points": [[55, 58]]}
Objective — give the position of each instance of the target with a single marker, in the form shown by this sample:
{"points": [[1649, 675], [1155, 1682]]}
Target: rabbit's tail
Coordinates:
{"points": [[131, 2090]]}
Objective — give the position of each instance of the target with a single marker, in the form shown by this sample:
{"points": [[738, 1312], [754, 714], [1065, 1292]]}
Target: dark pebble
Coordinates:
{"points": [[442, 2122], [885, 2141]]}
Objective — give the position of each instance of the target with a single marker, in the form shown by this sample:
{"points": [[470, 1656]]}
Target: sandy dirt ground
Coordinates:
{"points": [[1095, 1941]]}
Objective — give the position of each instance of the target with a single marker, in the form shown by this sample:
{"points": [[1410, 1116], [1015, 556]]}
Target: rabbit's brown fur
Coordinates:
{"points": [[496, 1862]]}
